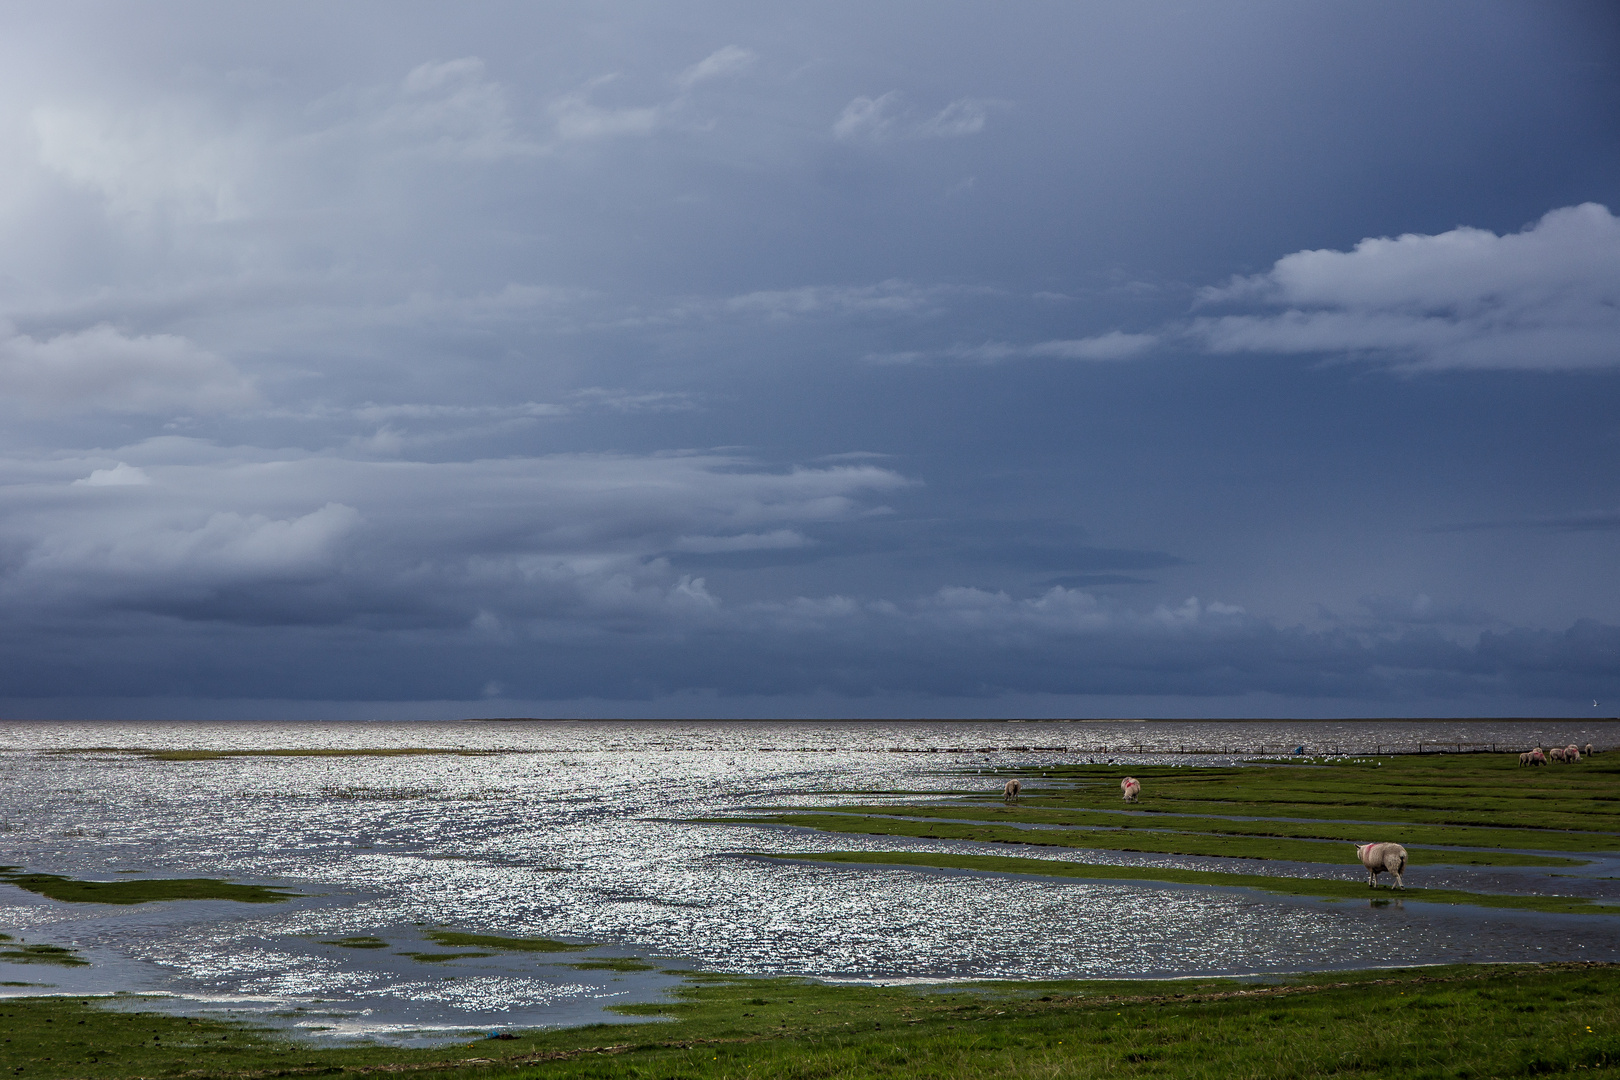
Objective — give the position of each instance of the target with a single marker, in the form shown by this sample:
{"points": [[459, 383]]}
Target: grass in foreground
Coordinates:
{"points": [[1324, 888], [1455, 1022], [140, 890]]}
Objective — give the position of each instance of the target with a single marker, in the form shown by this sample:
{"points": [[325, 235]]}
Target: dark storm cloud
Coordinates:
{"points": [[376, 352]]}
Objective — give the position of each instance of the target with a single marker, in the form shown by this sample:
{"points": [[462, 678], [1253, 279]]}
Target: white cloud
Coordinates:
{"points": [[1114, 345], [722, 63], [103, 369], [162, 158], [452, 108], [887, 116], [120, 475], [965, 116], [1546, 298], [577, 118], [889, 297], [869, 118]]}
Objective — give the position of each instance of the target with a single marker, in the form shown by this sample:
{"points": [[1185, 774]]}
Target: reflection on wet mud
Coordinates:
{"points": [[576, 833]]}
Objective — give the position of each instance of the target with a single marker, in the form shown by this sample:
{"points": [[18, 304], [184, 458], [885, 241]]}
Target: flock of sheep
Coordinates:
{"points": [[1377, 858], [1569, 754]]}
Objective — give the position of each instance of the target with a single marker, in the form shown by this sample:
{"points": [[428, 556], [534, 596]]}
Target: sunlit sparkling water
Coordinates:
{"points": [[576, 831]]}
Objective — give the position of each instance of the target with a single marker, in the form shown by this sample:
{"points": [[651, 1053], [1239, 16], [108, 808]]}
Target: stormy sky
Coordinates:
{"points": [[912, 359]]}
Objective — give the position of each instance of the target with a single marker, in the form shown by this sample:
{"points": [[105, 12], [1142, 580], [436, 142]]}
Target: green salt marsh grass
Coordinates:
{"points": [[1145, 840], [1026, 811], [140, 890], [1454, 1022], [1322, 888], [1490, 790], [1457, 810]]}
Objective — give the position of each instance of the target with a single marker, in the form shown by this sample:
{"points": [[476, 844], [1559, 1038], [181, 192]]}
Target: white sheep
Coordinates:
{"points": [[1572, 753], [1131, 787], [1382, 858], [1010, 792], [1556, 753], [1588, 750]]}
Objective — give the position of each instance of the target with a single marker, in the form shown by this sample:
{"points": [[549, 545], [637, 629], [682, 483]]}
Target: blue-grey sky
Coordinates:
{"points": [[1082, 359]]}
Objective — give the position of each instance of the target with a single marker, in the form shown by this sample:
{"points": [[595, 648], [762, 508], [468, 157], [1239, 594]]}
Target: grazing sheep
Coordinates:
{"points": [[1010, 792], [1382, 858], [1556, 753], [1538, 757], [1527, 758], [1572, 753], [1588, 750], [1132, 787]]}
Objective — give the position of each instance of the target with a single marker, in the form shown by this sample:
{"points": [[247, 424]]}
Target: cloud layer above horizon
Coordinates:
{"points": [[567, 354]]}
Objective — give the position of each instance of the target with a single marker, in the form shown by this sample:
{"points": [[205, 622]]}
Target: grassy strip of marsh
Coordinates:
{"points": [[1475, 790], [1321, 888], [140, 890], [1431, 835], [1455, 1021], [1143, 840]]}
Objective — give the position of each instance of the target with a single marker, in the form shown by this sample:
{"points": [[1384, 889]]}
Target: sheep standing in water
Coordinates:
{"points": [[1131, 787], [1010, 792], [1382, 858]]}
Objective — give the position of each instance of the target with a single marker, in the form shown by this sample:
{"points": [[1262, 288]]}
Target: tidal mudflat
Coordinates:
{"points": [[402, 867]]}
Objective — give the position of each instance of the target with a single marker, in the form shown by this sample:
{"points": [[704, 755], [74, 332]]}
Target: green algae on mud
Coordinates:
{"points": [[141, 890], [441, 957], [1327, 889], [1505, 1020], [613, 963], [454, 938], [359, 941], [15, 951]]}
